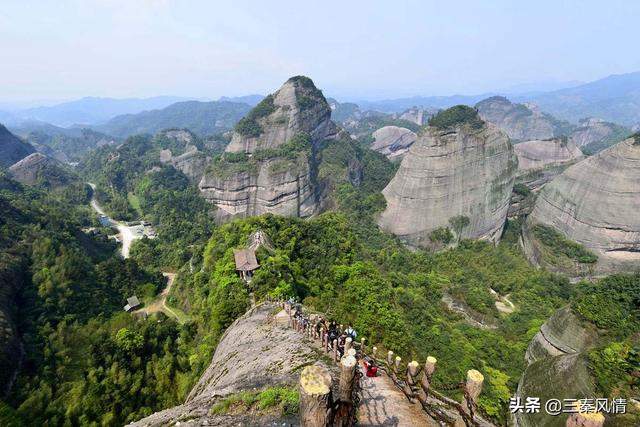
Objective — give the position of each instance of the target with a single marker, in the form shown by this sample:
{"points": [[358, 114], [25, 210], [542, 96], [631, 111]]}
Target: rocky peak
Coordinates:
{"points": [[539, 154], [297, 107], [595, 203], [37, 168], [459, 167], [393, 141]]}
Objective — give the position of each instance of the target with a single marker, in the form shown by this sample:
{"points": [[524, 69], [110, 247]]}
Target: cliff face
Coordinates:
{"points": [[271, 164], [455, 168], [12, 149], [419, 116], [596, 203], [257, 351], [192, 162], [521, 122], [393, 141], [539, 154], [595, 135]]}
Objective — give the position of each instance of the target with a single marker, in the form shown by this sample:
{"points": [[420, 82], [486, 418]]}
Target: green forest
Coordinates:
{"points": [[88, 363]]}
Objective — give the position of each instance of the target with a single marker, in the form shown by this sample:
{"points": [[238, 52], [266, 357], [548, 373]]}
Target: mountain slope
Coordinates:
{"points": [[12, 149], [202, 118], [614, 98]]}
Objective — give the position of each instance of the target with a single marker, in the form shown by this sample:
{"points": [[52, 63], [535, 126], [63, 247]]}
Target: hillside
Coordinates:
{"points": [[12, 149], [202, 118], [614, 98]]}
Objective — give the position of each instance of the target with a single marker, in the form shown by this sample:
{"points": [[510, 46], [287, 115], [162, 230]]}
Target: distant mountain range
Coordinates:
{"points": [[88, 111], [202, 118]]}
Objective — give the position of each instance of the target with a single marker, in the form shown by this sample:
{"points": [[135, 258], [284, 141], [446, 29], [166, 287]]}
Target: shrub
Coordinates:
{"points": [[560, 245], [521, 189], [249, 126], [454, 116], [442, 235]]}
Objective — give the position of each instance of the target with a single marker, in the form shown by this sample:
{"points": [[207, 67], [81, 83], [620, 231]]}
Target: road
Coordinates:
{"points": [[160, 302], [126, 235]]}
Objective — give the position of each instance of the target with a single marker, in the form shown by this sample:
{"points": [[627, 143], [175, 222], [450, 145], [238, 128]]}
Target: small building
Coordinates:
{"points": [[132, 303], [246, 263]]}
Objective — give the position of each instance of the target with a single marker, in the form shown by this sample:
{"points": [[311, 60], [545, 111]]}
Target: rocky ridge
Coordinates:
{"points": [[37, 168], [459, 166], [539, 154], [596, 203], [257, 351], [12, 149], [271, 164]]}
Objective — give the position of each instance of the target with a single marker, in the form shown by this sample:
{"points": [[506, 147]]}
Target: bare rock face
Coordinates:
{"points": [[37, 168], [459, 166], [12, 149], [257, 351], [393, 141], [271, 164], [521, 122], [596, 203], [539, 154], [595, 135], [419, 116]]}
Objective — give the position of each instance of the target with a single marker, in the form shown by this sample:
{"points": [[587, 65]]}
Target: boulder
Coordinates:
{"points": [[459, 167], [393, 141], [596, 203]]}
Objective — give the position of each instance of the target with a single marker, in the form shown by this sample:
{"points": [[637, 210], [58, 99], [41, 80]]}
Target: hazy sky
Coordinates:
{"points": [[66, 49]]}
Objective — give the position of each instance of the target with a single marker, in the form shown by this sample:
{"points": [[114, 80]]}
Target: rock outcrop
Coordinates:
{"points": [[12, 149], [459, 167], [186, 157], [596, 203], [419, 116], [259, 350], [271, 164], [594, 135], [540, 154], [38, 169], [521, 122], [393, 141]]}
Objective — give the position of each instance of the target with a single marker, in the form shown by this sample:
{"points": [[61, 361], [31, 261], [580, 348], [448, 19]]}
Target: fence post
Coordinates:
{"points": [[335, 350], [374, 350], [396, 366], [347, 371], [412, 372], [347, 344], [390, 359], [315, 397], [429, 368], [472, 389], [362, 341]]}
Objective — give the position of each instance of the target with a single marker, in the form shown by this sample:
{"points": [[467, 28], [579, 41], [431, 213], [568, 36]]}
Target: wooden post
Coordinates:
{"points": [[347, 371], [390, 359], [396, 366], [472, 389], [347, 344], [335, 350], [412, 372], [362, 341], [429, 368], [374, 350], [315, 397]]}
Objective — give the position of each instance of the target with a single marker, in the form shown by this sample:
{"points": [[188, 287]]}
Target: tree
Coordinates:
{"points": [[459, 223]]}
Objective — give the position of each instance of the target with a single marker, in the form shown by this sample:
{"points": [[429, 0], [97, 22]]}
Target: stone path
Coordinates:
{"points": [[382, 404]]}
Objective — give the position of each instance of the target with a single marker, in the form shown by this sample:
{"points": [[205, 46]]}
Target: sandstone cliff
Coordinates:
{"points": [[419, 116], [257, 351], [459, 166], [539, 154], [593, 135], [393, 141], [596, 203], [183, 154], [272, 162], [12, 149], [521, 122]]}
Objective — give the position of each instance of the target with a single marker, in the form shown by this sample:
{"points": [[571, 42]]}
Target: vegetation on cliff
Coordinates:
{"points": [[457, 115]]}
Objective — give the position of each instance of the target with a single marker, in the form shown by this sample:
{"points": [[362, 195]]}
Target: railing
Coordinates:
{"points": [[413, 381]]}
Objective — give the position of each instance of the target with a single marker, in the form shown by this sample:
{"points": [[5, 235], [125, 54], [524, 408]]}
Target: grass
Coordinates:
{"points": [[134, 201], [285, 399]]}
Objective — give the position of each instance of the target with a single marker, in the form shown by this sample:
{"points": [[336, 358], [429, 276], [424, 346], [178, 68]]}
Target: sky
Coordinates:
{"points": [[66, 49]]}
